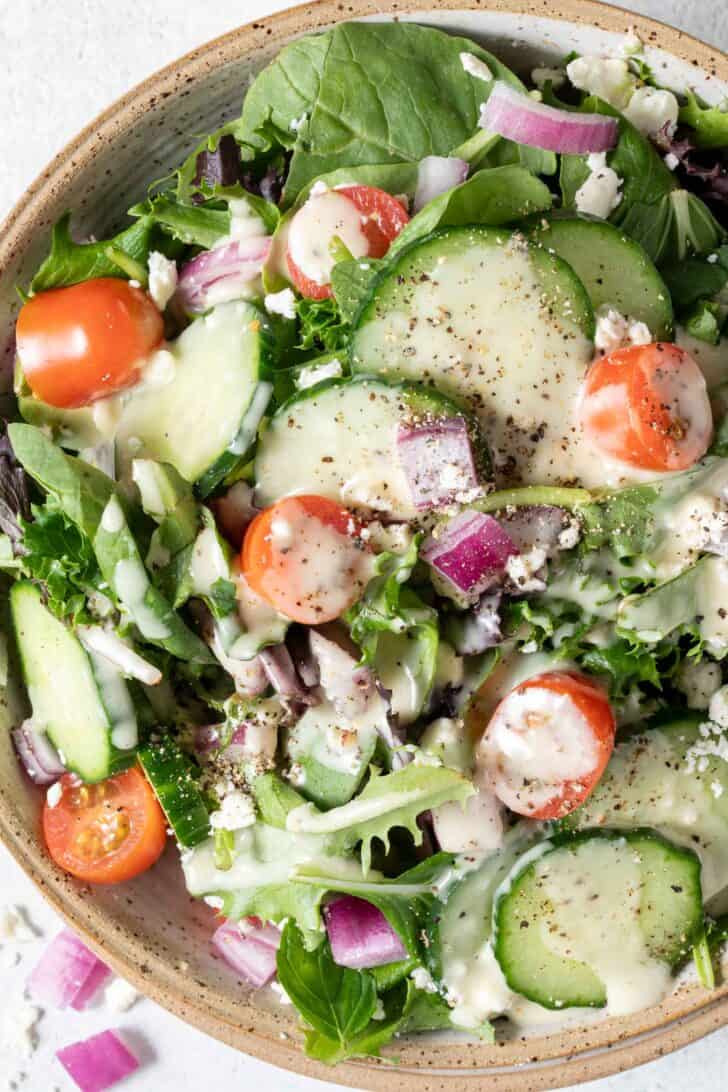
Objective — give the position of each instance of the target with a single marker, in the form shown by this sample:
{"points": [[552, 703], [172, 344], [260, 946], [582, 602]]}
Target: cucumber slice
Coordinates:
{"points": [[332, 771], [501, 325], [613, 268], [80, 706], [599, 917], [169, 772], [339, 439], [206, 418], [670, 777]]}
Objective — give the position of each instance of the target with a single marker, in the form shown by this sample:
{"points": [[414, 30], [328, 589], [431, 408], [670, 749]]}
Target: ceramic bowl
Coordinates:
{"points": [[150, 931]]}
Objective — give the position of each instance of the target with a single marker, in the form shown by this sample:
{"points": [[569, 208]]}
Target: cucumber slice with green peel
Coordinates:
{"points": [[339, 439], [669, 776], [598, 918], [73, 698], [497, 323], [169, 772], [204, 420], [333, 764], [613, 268]]}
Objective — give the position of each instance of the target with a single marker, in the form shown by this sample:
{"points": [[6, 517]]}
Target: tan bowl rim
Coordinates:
{"points": [[565, 1057]]}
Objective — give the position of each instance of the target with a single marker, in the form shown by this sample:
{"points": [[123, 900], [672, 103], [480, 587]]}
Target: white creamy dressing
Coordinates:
{"points": [[334, 742], [711, 359], [685, 522], [261, 623], [399, 667], [604, 876], [325, 570], [306, 819], [131, 584], [536, 741], [519, 365], [712, 603], [208, 563], [112, 517], [347, 451], [262, 855], [322, 217], [475, 827], [117, 702]]}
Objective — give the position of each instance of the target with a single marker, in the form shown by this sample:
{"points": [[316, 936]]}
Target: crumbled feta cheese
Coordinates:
{"points": [[15, 926], [699, 682], [651, 109], [120, 995], [555, 76], [570, 535], [713, 743], [283, 998], [423, 980], [712, 259], [162, 279], [308, 377], [475, 67], [608, 77], [298, 123], [672, 163], [615, 331], [54, 795], [522, 569], [236, 811], [281, 303], [718, 708], [19, 1028], [600, 193]]}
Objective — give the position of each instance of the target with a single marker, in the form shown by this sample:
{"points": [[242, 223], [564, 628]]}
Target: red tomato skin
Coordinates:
{"points": [[87, 341], [627, 416], [128, 794], [385, 218], [267, 571], [593, 704]]}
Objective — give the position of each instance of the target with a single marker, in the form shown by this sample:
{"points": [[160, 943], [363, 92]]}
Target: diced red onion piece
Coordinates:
{"points": [[221, 274], [234, 510], [360, 935], [38, 755], [471, 551], [537, 525], [437, 174], [98, 1063], [278, 666], [437, 459], [67, 974], [250, 951], [518, 117]]}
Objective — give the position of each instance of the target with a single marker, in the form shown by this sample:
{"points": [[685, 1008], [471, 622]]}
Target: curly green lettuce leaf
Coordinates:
{"points": [[709, 123], [321, 325], [386, 801], [60, 556]]}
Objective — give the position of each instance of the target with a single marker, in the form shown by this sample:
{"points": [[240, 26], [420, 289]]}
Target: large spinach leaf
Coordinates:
{"points": [[69, 262], [365, 93]]}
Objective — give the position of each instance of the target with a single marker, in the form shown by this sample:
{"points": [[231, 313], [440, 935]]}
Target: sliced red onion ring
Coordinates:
{"points": [[360, 935], [222, 274], [278, 666], [40, 759], [470, 551], [518, 117], [437, 174], [98, 1063], [68, 973], [234, 510], [437, 459], [249, 949]]}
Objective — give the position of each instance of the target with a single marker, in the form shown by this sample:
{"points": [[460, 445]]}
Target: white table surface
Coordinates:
{"points": [[112, 44]]}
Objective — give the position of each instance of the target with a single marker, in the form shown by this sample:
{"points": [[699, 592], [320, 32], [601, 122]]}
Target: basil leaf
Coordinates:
{"points": [[352, 283], [337, 1002], [70, 263]]}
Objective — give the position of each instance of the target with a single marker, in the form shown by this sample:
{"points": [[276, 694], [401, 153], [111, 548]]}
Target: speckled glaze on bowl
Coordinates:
{"points": [[150, 931]]}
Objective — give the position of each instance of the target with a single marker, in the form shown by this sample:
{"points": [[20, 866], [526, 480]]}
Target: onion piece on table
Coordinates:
{"points": [[470, 551], [40, 759], [250, 949], [437, 174], [360, 935], [68, 973], [518, 117], [222, 274], [98, 1063], [437, 459]]}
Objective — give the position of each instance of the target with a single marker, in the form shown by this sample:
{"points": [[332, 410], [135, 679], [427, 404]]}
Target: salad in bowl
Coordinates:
{"points": [[366, 518]]}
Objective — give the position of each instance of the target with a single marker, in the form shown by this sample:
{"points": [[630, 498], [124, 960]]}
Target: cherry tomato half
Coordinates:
{"points": [[382, 217], [305, 556], [648, 406], [85, 342], [547, 744], [105, 833]]}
